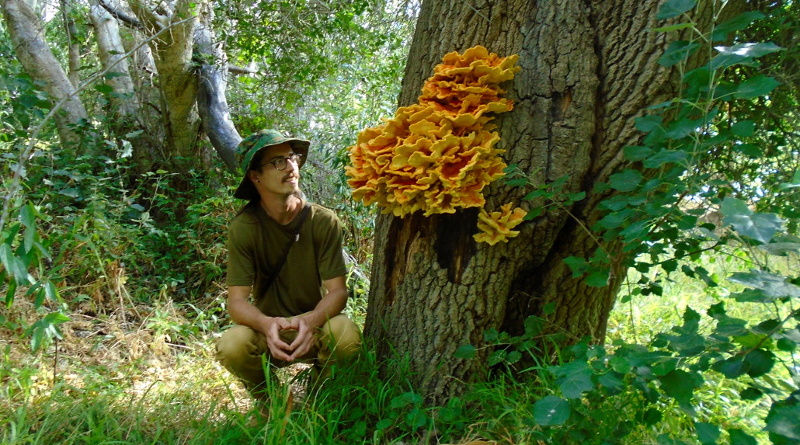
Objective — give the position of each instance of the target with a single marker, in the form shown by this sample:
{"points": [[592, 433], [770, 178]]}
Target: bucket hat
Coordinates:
{"points": [[247, 149]]}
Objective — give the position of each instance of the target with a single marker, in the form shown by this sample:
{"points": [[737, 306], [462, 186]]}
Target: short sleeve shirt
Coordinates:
{"points": [[256, 243]]}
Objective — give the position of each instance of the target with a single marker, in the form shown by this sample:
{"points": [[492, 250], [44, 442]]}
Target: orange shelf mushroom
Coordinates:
{"points": [[497, 226], [437, 155]]}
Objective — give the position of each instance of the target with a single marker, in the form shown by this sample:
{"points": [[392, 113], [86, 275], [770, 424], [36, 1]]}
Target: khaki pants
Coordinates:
{"points": [[240, 350]]}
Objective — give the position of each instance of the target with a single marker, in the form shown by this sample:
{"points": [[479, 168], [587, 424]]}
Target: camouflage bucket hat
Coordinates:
{"points": [[247, 149]]}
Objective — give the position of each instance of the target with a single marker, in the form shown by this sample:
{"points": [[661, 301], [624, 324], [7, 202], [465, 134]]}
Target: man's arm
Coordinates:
{"points": [[245, 313], [330, 306]]}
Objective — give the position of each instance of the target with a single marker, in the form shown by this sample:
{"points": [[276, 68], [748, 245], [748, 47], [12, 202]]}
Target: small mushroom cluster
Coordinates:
{"points": [[437, 155]]}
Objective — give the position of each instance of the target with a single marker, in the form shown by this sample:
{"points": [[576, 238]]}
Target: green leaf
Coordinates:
{"points": [[27, 216], [465, 352], [737, 23], [383, 424], [646, 124], [733, 206], [626, 180], [573, 378], [577, 265], [651, 417], [598, 277], [675, 27], [665, 156], [739, 437], [751, 150], [406, 399], [760, 362], [758, 226], [784, 420], [731, 368], [755, 87], [680, 385], [103, 88], [496, 357], [743, 129], [677, 52], [773, 286], [637, 153], [551, 410], [751, 393], [674, 8], [706, 433], [742, 53]]}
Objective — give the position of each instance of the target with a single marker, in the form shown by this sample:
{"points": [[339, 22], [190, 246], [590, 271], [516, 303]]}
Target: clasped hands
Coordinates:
{"points": [[296, 330]]}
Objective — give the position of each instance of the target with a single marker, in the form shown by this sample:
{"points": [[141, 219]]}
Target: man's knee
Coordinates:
{"points": [[341, 337], [237, 346]]}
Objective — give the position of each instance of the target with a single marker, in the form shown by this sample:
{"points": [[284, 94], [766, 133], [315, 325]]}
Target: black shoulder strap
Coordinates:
{"points": [[295, 237]]}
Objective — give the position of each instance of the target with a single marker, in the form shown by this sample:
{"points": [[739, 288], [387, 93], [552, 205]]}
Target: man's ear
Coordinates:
{"points": [[253, 175]]}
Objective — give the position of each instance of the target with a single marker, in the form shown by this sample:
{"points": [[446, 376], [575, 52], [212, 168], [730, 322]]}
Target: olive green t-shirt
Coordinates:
{"points": [[255, 244]]}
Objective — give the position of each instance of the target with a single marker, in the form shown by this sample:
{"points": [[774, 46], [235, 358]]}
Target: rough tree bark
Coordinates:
{"points": [[34, 54], [211, 101], [172, 52], [588, 69]]}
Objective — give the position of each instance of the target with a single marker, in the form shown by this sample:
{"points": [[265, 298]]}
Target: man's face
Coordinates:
{"points": [[271, 181]]}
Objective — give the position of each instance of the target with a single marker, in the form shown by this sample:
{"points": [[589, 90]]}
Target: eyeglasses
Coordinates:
{"points": [[280, 162]]}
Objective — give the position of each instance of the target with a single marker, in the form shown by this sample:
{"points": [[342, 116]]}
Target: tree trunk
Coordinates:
{"points": [[172, 52], [211, 101], [74, 54], [588, 69], [35, 56]]}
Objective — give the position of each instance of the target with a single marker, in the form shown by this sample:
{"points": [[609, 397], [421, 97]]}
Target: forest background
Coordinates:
{"points": [[668, 312]]}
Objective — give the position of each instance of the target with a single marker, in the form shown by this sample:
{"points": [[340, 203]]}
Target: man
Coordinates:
{"points": [[295, 313]]}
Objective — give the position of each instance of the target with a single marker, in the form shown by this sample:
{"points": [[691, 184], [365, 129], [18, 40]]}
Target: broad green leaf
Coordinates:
{"points": [[743, 129], [416, 418], [674, 8], [737, 23], [27, 216], [646, 124], [773, 286], [626, 180], [665, 156], [574, 378], [760, 362], [610, 380], [551, 410], [680, 385], [742, 53], [406, 399], [784, 420], [706, 433], [577, 265], [677, 52], [751, 150], [676, 27], [598, 278], [636, 152], [739, 437], [651, 417], [497, 356], [733, 206], [758, 226], [751, 393], [465, 352], [755, 87], [731, 368]]}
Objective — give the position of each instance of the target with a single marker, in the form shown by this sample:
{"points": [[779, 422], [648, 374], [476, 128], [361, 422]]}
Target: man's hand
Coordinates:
{"points": [[304, 340], [278, 348]]}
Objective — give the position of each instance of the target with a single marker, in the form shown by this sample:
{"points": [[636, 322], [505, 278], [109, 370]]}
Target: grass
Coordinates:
{"points": [[150, 378]]}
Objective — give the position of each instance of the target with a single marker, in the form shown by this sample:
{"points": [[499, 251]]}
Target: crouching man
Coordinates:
{"points": [[286, 273]]}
